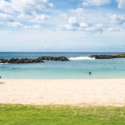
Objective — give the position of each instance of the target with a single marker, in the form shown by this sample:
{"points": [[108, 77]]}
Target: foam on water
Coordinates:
{"points": [[3, 63], [81, 58]]}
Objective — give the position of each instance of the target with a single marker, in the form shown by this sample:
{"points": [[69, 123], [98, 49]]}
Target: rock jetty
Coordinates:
{"points": [[107, 56], [37, 60], [58, 58]]}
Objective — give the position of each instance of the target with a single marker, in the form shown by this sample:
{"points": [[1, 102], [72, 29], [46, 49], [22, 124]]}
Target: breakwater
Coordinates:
{"points": [[37, 60], [107, 56]]}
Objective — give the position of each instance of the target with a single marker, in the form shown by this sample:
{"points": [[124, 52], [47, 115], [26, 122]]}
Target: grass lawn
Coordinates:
{"points": [[123, 54], [60, 115]]}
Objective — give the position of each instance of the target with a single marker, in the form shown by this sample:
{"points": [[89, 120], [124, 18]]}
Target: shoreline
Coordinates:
{"points": [[64, 79], [76, 92]]}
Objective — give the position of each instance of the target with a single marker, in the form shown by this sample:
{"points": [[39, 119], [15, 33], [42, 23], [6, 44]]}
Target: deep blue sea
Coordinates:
{"points": [[78, 68]]}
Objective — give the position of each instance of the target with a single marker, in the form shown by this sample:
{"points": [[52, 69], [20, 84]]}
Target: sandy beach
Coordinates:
{"points": [[60, 92]]}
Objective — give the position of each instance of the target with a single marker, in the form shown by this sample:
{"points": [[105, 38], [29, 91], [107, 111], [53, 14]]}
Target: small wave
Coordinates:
{"points": [[81, 58], [4, 63]]}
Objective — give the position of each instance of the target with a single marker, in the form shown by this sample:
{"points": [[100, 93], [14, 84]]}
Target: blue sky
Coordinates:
{"points": [[62, 25]]}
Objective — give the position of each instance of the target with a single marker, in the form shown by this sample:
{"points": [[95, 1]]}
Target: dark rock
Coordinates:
{"points": [[37, 60], [3, 60], [107, 56], [58, 58]]}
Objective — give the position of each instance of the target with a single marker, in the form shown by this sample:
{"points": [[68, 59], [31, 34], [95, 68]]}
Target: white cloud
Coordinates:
{"points": [[95, 28], [39, 18], [63, 15], [81, 26], [95, 2], [121, 3], [73, 21], [23, 6], [51, 4], [78, 11], [5, 17], [89, 23], [34, 17], [9, 21], [21, 26], [36, 27], [15, 24], [73, 24], [111, 29], [26, 9], [65, 27], [117, 19]]}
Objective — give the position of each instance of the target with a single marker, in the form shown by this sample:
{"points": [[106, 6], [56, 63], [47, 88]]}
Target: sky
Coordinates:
{"points": [[62, 25]]}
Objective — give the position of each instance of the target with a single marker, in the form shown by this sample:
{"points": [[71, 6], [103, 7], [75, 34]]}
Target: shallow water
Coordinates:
{"points": [[78, 68]]}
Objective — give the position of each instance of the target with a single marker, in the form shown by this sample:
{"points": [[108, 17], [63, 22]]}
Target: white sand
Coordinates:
{"points": [[72, 92]]}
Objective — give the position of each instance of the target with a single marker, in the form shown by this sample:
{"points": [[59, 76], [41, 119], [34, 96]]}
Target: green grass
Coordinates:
{"points": [[60, 115], [123, 54]]}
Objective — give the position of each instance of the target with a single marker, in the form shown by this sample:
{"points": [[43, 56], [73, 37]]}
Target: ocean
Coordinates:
{"points": [[78, 67]]}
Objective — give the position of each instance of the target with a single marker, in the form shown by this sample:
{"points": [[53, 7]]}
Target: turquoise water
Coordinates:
{"points": [[78, 68]]}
